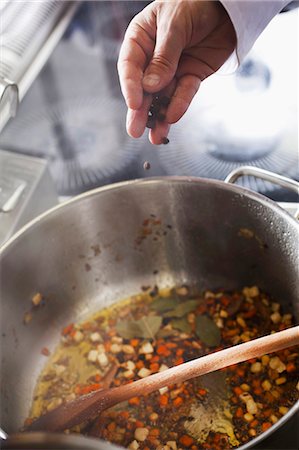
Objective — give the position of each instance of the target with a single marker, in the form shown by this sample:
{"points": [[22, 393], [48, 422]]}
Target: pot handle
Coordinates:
{"points": [[274, 178]]}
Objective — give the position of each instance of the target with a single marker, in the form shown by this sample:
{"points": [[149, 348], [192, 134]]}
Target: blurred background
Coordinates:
{"points": [[61, 56]]}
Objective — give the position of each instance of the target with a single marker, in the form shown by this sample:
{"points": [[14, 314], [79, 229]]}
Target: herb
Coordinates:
{"points": [[234, 306], [182, 309], [181, 324], [166, 333], [145, 328], [164, 304], [207, 331]]}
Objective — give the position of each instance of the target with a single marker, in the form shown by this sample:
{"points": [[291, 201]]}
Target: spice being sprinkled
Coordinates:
{"points": [[151, 122], [146, 165], [155, 114], [165, 140]]}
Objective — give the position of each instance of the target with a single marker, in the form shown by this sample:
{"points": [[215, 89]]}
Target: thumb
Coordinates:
{"points": [[163, 65]]}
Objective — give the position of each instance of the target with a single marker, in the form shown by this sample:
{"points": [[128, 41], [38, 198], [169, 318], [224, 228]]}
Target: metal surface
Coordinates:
{"points": [[249, 117], [9, 100], [285, 182], [54, 255], [26, 190], [29, 33]]}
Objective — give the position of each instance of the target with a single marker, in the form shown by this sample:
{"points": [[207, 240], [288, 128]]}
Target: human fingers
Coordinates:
{"points": [[159, 133], [136, 50], [187, 87], [167, 52], [137, 118]]}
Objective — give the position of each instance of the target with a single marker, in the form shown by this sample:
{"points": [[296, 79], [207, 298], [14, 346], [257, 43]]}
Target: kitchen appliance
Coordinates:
{"points": [[29, 32], [74, 113], [26, 190], [198, 245]]}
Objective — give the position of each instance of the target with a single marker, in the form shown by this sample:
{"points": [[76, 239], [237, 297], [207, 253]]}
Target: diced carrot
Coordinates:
{"points": [[155, 358], [163, 400], [256, 383], [154, 367], [124, 414], [171, 345], [237, 390], [134, 401], [291, 367], [267, 412], [111, 426], [179, 352], [66, 330], [249, 314], [162, 350], [232, 332], [186, 440], [254, 423], [139, 424], [240, 372], [177, 401], [179, 361], [134, 342], [258, 391], [266, 425], [139, 364], [225, 300], [154, 432], [202, 391], [239, 412], [87, 389], [72, 333], [97, 377], [107, 346]]}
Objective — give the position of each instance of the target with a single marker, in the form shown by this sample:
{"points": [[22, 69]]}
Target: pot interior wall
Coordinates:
{"points": [[105, 246]]}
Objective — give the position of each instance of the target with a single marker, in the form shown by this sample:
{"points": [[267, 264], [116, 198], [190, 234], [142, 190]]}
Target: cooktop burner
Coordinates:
{"points": [[74, 114], [84, 140]]}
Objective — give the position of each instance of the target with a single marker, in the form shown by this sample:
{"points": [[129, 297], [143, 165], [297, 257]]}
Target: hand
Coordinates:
{"points": [[170, 48]]}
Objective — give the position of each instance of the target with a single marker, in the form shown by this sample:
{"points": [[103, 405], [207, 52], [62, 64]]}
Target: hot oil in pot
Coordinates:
{"points": [[156, 330]]}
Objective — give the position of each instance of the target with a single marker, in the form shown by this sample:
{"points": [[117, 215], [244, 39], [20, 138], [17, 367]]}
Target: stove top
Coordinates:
{"points": [[74, 114]]}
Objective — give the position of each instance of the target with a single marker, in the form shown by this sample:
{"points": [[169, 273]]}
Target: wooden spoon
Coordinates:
{"points": [[83, 408]]}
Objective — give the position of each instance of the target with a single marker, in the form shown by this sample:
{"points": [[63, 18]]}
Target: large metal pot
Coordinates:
{"points": [[88, 253]]}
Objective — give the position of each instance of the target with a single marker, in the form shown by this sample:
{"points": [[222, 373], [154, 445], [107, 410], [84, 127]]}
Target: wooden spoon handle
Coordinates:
{"points": [[212, 362], [82, 408]]}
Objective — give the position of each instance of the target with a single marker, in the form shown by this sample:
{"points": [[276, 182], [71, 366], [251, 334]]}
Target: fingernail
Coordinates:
{"points": [[151, 80]]}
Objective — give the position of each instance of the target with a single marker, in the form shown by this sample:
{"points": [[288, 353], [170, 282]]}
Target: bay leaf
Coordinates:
{"points": [[162, 333], [146, 327], [182, 309], [164, 304], [181, 324], [234, 306], [207, 331]]}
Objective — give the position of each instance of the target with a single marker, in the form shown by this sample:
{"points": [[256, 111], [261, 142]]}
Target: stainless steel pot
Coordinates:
{"points": [[89, 252]]}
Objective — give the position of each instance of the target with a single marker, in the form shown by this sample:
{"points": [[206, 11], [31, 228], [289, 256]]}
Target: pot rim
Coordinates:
{"points": [[150, 181]]}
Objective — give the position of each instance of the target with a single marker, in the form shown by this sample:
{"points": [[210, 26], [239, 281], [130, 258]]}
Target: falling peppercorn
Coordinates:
{"points": [[165, 140], [146, 165], [155, 114]]}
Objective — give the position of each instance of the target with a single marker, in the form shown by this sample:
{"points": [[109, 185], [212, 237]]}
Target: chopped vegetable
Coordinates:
{"points": [[159, 329], [207, 331]]}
